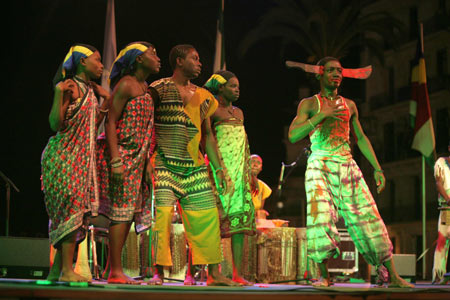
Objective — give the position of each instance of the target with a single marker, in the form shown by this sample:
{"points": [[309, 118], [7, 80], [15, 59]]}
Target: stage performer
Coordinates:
{"points": [[236, 210], [69, 179], [181, 122], [124, 165], [260, 190], [334, 183], [442, 176]]}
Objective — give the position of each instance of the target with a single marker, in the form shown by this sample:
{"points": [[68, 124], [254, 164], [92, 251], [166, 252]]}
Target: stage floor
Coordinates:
{"points": [[30, 289]]}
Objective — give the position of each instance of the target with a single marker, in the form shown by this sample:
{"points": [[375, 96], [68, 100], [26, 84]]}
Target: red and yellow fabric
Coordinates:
{"points": [[129, 200], [264, 192], [420, 111], [69, 178]]}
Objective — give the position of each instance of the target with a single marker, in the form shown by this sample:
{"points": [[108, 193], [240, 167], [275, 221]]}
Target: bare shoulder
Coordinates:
{"points": [[239, 113], [351, 105], [307, 105]]}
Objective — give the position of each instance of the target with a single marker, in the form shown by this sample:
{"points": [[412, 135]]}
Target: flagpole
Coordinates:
{"points": [[424, 220], [424, 202]]}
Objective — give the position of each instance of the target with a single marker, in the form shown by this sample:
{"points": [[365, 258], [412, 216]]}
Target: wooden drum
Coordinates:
{"points": [[277, 254]]}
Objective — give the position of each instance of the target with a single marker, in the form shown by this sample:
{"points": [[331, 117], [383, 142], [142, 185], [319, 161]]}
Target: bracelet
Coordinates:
{"points": [[104, 111], [218, 169], [312, 125], [117, 164], [378, 170], [116, 159]]}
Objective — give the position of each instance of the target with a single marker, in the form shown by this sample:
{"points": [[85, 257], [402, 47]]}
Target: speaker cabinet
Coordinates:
{"points": [[24, 257]]}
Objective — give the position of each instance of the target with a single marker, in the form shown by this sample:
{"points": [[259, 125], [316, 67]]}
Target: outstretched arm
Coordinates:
{"points": [[366, 147]]}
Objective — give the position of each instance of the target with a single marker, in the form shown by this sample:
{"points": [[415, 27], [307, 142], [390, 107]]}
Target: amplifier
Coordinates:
{"points": [[405, 264], [347, 262], [24, 257]]}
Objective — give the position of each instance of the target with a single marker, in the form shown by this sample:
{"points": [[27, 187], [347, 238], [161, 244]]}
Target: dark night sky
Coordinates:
{"points": [[39, 34]]}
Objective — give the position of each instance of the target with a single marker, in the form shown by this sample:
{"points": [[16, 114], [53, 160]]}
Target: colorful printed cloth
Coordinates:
{"points": [[129, 200], [330, 139], [182, 174], [69, 178], [264, 192], [442, 246], [335, 188], [176, 146], [442, 171], [236, 209]]}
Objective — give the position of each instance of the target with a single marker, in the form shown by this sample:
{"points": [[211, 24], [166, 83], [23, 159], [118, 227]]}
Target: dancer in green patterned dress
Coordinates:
{"points": [[124, 163], [237, 213], [69, 177], [334, 183]]}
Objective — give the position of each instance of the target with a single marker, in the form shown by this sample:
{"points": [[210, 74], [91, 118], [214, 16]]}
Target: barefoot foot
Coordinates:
{"points": [[242, 281], [122, 278], [71, 276], [220, 280], [189, 280], [156, 280], [322, 282], [400, 283]]}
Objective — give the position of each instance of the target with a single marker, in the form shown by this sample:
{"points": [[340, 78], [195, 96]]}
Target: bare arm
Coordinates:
{"points": [[119, 97], [212, 152], [104, 108], [307, 118], [64, 92], [366, 147]]}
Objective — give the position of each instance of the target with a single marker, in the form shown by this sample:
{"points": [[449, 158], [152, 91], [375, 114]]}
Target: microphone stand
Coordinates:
{"points": [[8, 184], [282, 179]]}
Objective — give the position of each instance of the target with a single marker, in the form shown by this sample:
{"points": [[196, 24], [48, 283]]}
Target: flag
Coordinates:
{"points": [[109, 44], [219, 56], [420, 112]]}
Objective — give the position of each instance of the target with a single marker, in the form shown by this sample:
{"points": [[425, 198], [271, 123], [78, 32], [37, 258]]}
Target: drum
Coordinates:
{"points": [[306, 267], [277, 254], [178, 249], [130, 254]]}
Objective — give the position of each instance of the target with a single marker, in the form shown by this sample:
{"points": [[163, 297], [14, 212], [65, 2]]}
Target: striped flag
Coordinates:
{"points": [[420, 111], [219, 57], [109, 43]]}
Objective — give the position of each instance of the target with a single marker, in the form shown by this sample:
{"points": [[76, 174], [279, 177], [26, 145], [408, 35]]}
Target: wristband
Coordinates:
{"points": [[311, 124]]}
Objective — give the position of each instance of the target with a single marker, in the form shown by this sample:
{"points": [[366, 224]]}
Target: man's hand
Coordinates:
{"points": [[222, 187], [149, 174], [332, 110], [380, 180]]}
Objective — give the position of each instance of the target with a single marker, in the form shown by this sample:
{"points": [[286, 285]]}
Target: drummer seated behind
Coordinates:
{"points": [[260, 190]]}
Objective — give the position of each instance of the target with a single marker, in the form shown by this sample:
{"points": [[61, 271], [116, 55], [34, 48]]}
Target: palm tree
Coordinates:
{"points": [[326, 28]]}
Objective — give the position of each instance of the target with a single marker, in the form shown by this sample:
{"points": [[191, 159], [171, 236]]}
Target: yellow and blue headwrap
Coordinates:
{"points": [[125, 60], [71, 61], [217, 79]]}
